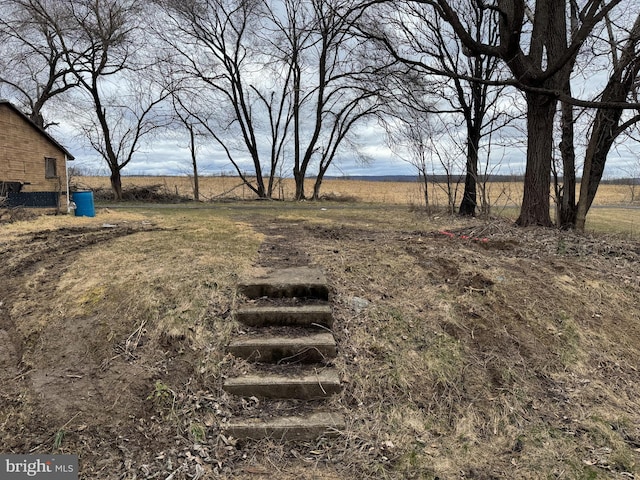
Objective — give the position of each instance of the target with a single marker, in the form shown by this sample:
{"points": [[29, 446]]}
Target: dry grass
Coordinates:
{"points": [[500, 194], [477, 360], [612, 212], [511, 358], [114, 323]]}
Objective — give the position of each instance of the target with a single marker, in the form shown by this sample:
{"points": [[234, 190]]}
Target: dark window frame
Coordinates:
{"points": [[50, 167]]}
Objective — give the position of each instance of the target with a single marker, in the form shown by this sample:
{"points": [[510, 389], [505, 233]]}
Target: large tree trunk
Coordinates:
{"points": [[298, 176], [116, 184], [474, 117], [606, 126], [470, 197], [316, 187], [567, 203], [260, 188], [537, 181], [605, 131], [322, 170]]}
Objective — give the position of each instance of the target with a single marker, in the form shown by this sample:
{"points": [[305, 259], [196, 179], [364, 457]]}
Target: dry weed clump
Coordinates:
{"points": [[11, 215], [157, 193]]}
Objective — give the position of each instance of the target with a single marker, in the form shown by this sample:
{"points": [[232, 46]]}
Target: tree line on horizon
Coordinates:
{"points": [[290, 86]]}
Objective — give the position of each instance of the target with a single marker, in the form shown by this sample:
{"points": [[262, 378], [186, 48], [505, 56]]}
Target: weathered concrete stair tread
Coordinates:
{"points": [[316, 347], [305, 315], [290, 282], [302, 428], [320, 384]]}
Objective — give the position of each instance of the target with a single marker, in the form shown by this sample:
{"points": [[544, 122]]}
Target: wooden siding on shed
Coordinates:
{"points": [[23, 149]]}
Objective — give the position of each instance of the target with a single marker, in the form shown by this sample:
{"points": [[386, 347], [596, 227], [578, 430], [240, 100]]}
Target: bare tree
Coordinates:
{"points": [[33, 66], [631, 178], [407, 123], [335, 84], [287, 77], [118, 99], [461, 85], [414, 138], [477, 100], [430, 143], [472, 99], [609, 123], [565, 191], [217, 50], [553, 34], [540, 51], [605, 123], [182, 113], [89, 50]]}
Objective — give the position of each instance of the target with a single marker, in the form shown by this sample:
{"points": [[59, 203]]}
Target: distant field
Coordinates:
{"points": [[500, 194], [613, 212]]}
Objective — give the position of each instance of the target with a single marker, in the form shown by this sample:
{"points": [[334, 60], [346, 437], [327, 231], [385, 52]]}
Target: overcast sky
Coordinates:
{"points": [[169, 155]]}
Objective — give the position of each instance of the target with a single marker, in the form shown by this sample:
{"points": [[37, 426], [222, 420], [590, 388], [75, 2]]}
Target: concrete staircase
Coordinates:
{"points": [[290, 344]]}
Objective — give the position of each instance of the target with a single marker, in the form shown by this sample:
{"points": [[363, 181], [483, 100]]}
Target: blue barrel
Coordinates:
{"points": [[84, 204]]}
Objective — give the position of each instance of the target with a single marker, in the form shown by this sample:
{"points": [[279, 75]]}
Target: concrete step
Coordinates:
{"points": [[305, 386], [311, 348], [298, 316], [301, 282], [300, 428]]}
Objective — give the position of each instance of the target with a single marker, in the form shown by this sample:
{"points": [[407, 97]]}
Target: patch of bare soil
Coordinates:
{"points": [[283, 246], [58, 372]]}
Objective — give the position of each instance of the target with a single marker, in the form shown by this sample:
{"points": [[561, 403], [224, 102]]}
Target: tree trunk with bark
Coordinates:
{"points": [[298, 177], [194, 163], [316, 188], [537, 180], [567, 201], [470, 196], [116, 184], [602, 138], [606, 126]]}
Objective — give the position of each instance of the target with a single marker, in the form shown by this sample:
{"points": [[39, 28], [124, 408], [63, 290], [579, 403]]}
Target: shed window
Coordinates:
{"points": [[50, 170]]}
